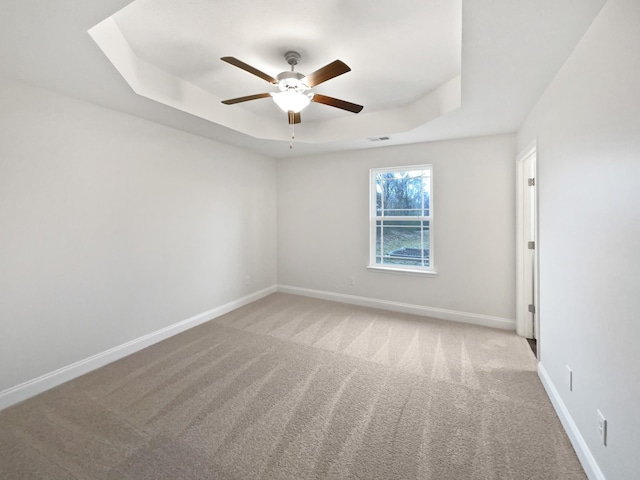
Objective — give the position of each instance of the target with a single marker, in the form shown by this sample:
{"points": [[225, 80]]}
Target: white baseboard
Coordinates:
{"points": [[587, 461], [440, 313], [49, 380]]}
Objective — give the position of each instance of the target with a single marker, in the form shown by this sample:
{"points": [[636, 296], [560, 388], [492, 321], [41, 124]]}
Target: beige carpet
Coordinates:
{"points": [[297, 388]]}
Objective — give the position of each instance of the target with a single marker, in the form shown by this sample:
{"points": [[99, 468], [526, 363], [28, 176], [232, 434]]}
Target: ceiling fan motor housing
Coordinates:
{"points": [[291, 81]]}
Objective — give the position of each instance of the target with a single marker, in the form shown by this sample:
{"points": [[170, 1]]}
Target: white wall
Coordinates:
{"points": [[323, 225], [588, 131], [112, 227]]}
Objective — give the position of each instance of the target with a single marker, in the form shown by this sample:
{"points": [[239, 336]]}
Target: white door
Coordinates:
{"points": [[526, 281], [529, 236]]}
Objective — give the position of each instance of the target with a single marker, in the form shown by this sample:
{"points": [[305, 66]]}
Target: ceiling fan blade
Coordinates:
{"points": [[334, 102], [294, 117], [327, 72], [248, 68], [246, 99]]}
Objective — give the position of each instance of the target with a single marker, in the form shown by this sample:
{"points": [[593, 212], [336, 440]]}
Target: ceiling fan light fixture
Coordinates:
{"points": [[292, 81], [291, 101]]}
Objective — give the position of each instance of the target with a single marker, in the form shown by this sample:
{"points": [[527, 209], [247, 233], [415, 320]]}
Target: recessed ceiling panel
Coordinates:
{"points": [[398, 56]]}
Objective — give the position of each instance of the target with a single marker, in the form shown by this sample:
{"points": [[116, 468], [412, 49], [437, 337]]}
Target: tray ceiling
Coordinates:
{"points": [[405, 62]]}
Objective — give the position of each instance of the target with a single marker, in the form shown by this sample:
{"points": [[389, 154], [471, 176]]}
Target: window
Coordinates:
{"points": [[401, 219]]}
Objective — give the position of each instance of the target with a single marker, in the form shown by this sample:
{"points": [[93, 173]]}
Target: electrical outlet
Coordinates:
{"points": [[602, 427], [569, 379], [247, 279], [352, 281]]}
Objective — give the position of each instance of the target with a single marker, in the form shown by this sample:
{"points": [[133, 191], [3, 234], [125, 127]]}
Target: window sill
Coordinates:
{"points": [[407, 271]]}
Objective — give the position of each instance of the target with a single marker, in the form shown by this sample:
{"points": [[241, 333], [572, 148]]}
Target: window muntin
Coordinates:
{"points": [[401, 218]]}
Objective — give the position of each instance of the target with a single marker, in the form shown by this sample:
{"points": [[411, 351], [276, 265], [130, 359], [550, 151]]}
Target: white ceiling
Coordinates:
{"points": [[400, 52]]}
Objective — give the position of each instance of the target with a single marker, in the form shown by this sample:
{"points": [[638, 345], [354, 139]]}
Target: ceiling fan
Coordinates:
{"points": [[292, 85]]}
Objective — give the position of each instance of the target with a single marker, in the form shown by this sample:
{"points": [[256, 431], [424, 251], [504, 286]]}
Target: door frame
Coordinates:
{"points": [[524, 326]]}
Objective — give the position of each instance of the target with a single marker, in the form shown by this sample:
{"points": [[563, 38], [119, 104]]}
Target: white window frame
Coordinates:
{"points": [[374, 218]]}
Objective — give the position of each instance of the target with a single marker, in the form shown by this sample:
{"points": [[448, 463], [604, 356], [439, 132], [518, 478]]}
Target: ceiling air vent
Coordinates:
{"points": [[379, 139]]}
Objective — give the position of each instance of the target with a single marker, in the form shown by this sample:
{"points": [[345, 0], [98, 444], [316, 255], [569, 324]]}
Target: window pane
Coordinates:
{"points": [[402, 242], [426, 196], [402, 193], [378, 243]]}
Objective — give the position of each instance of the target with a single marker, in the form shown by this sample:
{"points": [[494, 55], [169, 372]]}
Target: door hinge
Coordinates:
{"points": [[531, 182], [532, 308], [531, 245]]}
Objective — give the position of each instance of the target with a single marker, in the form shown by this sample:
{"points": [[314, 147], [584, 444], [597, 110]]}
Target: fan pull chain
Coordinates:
{"points": [[293, 136]]}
